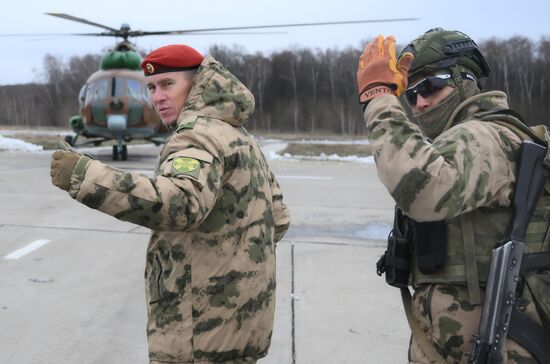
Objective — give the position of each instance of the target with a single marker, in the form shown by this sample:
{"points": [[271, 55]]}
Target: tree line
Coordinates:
{"points": [[298, 90]]}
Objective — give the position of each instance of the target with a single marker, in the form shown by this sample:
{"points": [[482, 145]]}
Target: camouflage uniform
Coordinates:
{"points": [[216, 212], [467, 168]]}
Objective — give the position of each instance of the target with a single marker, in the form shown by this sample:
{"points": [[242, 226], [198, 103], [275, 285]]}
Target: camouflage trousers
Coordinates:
{"points": [[240, 361], [448, 319]]}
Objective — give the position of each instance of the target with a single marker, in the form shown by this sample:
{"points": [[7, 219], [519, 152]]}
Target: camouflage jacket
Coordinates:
{"points": [[468, 166], [216, 212], [466, 175]]}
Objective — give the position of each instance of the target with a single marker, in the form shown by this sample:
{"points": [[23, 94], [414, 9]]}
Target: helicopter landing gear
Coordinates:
{"points": [[120, 150], [124, 153], [115, 152]]}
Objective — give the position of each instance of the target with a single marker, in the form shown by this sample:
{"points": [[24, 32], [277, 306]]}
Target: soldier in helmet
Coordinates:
{"points": [[214, 208], [451, 170]]}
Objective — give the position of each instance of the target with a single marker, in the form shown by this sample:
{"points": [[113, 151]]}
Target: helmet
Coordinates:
{"points": [[442, 49]]}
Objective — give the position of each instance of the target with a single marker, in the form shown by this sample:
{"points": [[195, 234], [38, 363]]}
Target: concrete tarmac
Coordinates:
{"points": [[78, 297]]}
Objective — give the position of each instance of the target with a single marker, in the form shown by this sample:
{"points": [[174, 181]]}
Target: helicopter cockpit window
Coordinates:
{"points": [[128, 87], [134, 89], [82, 95], [97, 90]]}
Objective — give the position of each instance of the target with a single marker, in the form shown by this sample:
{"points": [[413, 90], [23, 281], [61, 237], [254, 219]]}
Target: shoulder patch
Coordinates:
{"points": [[186, 165]]}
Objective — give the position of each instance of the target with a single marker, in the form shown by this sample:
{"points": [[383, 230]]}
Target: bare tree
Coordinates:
{"points": [[295, 90]]}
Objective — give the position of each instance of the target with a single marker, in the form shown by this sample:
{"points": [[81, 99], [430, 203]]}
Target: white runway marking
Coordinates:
{"points": [[27, 249], [305, 177]]}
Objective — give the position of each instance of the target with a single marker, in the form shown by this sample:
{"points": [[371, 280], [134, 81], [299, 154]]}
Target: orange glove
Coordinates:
{"points": [[379, 73]]}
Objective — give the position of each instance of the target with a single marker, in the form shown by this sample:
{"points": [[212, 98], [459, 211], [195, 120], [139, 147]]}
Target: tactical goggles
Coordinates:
{"points": [[429, 85]]}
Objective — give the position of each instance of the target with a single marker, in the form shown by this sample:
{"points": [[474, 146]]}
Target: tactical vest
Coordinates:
{"points": [[471, 237], [458, 251], [470, 240]]}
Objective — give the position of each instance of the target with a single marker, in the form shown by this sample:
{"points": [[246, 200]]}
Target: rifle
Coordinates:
{"points": [[506, 258]]}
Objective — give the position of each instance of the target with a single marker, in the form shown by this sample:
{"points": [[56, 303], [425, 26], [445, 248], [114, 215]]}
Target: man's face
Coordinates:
{"points": [[423, 103], [169, 92]]}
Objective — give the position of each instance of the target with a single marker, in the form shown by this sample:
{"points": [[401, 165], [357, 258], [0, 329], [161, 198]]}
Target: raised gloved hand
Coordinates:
{"points": [[379, 72], [61, 168]]}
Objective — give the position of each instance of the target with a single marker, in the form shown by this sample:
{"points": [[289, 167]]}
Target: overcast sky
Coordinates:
{"points": [[23, 56]]}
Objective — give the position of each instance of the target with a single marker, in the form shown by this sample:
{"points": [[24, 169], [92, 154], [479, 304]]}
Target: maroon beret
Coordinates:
{"points": [[170, 58]]}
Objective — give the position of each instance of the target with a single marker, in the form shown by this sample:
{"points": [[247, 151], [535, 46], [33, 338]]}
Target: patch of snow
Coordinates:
{"points": [[332, 142], [323, 157], [35, 132], [314, 141], [18, 144], [272, 149]]}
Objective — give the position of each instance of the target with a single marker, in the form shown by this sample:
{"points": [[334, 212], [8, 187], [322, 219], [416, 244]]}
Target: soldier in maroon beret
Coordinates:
{"points": [[214, 207], [170, 71]]}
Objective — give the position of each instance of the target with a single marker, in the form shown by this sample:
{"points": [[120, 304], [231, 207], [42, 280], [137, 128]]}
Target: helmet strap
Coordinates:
{"points": [[457, 78]]}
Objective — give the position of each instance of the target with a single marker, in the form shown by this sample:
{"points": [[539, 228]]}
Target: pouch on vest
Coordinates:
{"points": [[396, 259], [430, 241]]}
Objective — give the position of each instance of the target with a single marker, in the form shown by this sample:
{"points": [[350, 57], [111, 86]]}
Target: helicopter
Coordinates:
{"points": [[114, 103]]}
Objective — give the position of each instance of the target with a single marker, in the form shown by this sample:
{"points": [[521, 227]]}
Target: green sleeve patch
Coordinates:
{"points": [[186, 165]]}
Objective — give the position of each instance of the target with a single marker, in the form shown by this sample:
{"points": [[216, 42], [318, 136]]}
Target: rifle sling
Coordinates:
{"points": [[472, 276], [534, 261], [530, 335]]}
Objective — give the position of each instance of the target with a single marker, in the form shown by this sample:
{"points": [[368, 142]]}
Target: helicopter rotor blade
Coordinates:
{"points": [[41, 36], [127, 33], [188, 31], [131, 34], [230, 33], [34, 34], [80, 20]]}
